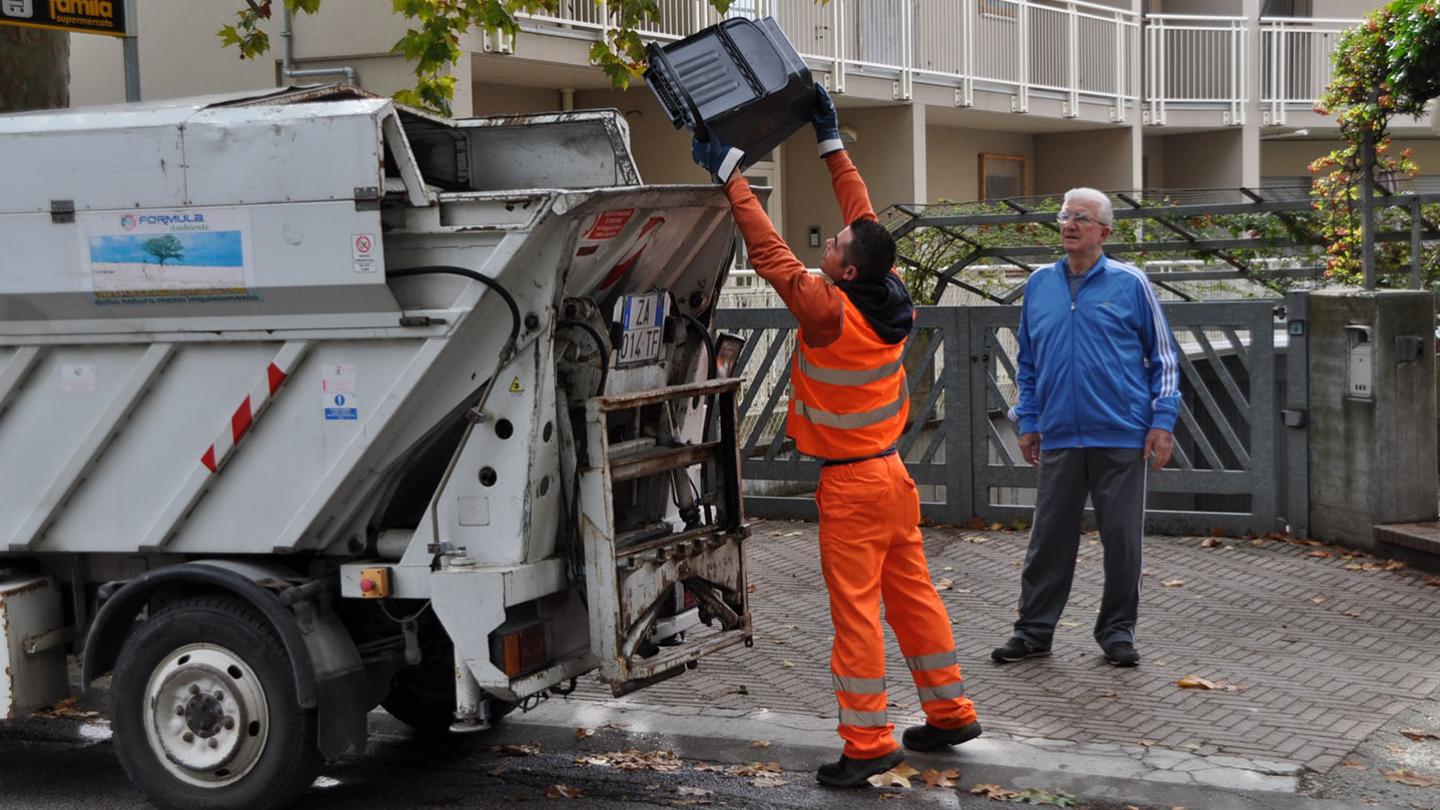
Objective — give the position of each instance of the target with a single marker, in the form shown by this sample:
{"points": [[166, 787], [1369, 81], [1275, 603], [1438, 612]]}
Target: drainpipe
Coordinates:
{"points": [[287, 67], [567, 101]]}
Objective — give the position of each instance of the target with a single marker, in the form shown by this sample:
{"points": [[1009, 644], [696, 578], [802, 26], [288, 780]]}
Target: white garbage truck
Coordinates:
{"points": [[310, 402]]}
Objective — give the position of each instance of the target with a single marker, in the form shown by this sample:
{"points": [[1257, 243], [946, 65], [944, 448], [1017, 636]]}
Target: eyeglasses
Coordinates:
{"points": [[1080, 218]]}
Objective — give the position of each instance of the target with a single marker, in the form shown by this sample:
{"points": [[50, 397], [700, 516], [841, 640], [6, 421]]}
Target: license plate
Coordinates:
{"points": [[643, 326]]}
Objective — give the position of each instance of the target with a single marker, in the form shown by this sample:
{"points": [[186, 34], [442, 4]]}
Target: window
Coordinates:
{"points": [[1004, 176]]}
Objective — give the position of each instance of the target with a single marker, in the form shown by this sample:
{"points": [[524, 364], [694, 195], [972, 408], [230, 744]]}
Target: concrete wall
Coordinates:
{"points": [[953, 162], [181, 56], [1290, 158], [1201, 160], [1371, 461], [1099, 158]]}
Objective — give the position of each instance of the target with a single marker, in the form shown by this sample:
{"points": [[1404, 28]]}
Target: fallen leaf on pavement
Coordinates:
{"points": [[1351, 762], [563, 792], [683, 790], [582, 733], [977, 539], [1064, 623], [1354, 614], [1321, 555], [995, 527], [994, 792], [760, 744], [948, 568], [768, 781], [898, 776], [1172, 583], [1433, 582], [67, 709], [1211, 542], [1110, 693], [1419, 734], [1197, 682], [944, 585], [1405, 776], [1396, 748], [662, 761], [787, 664], [1149, 743], [1318, 599], [520, 749], [940, 779], [1161, 663], [751, 589], [1394, 565]]}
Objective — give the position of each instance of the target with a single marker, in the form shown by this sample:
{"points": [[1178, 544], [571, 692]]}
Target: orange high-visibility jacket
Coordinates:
{"points": [[848, 397]]}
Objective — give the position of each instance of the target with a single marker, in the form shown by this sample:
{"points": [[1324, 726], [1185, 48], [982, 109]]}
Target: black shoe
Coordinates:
{"points": [[849, 772], [930, 738], [1017, 649], [1122, 654]]}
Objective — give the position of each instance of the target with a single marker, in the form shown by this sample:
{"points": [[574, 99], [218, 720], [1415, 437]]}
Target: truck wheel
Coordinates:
{"points": [[204, 710]]}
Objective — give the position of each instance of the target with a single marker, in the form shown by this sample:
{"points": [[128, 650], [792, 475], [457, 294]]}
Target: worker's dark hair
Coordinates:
{"points": [[871, 250]]}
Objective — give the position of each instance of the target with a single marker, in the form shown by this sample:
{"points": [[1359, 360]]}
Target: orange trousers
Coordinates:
{"points": [[871, 550]]}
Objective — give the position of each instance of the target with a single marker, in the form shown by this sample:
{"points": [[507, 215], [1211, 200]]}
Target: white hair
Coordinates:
{"points": [[1103, 209]]}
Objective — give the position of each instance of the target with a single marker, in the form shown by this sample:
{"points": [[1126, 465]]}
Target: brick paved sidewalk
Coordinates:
{"points": [[1325, 655]]}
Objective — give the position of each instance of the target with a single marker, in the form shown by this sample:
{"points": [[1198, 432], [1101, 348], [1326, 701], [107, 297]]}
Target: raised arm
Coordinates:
{"points": [[814, 301]]}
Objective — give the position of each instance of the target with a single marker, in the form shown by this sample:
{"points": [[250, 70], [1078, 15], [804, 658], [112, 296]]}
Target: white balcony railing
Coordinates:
{"points": [[1296, 58], [1195, 61], [1072, 49]]}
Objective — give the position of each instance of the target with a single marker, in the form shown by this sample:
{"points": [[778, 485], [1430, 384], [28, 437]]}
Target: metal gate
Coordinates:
{"points": [[963, 452]]}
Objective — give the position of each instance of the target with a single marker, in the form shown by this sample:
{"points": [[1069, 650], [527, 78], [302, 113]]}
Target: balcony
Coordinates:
{"points": [[1083, 58], [997, 54]]}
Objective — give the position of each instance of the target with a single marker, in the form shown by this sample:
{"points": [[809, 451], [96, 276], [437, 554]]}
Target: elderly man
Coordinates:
{"points": [[1099, 392], [848, 408]]}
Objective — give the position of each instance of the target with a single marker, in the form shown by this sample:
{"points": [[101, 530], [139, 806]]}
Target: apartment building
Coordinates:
{"points": [[938, 99]]}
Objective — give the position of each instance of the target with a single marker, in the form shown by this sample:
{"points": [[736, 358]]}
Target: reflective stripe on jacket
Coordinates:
{"points": [[848, 398]]}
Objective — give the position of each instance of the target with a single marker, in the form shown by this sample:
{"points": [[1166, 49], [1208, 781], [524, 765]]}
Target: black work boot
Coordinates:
{"points": [[1121, 654], [932, 738], [849, 772]]}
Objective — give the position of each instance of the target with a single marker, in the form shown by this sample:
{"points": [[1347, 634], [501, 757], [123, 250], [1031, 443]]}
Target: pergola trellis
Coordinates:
{"points": [[1173, 219]]}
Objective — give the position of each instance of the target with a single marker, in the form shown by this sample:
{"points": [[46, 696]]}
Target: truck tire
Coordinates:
{"points": [[204, 710]]}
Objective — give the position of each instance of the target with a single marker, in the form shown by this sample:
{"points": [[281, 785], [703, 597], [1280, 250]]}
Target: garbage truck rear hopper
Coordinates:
{"points": [[310, 402]]}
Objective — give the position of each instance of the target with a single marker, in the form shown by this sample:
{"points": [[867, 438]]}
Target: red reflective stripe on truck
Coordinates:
{"points": [[253, 406]]}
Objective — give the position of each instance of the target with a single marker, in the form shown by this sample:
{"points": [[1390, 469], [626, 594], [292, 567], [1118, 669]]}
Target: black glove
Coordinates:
{"points": [[826, 123], [720, 159]]}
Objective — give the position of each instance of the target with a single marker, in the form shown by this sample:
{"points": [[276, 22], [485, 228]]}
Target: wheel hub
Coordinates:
{"points": [[208, 716]]}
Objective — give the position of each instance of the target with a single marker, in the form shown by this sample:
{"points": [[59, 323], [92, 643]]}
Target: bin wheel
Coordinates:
{"points": [[204, 710], [423, 698]]}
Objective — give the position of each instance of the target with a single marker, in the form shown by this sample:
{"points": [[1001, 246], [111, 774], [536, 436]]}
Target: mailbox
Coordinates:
{"points": [[1360, 362]]}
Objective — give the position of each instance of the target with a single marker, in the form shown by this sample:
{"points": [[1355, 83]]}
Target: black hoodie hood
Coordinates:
{"points": [[885, 304]]}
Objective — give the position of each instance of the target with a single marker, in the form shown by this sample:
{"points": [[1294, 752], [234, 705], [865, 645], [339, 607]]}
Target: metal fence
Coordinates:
{"points": [[963, 453]]}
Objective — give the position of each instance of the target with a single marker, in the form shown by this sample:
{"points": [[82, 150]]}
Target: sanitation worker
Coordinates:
{"points": [[847, 408]]}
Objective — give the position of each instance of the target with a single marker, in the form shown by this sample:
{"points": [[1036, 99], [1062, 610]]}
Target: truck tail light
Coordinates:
{"points": [[518, 648]]}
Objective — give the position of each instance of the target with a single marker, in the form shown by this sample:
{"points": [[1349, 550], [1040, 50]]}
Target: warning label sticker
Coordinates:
{"points": [[609, 224], [337, 381], [341, 407], [362, 252]]}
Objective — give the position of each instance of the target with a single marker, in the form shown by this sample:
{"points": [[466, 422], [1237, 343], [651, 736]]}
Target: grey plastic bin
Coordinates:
{"points": [[739, 80]]}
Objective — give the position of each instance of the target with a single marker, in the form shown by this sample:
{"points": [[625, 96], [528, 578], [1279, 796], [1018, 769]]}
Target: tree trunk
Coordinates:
{"points": [[34, 69]]}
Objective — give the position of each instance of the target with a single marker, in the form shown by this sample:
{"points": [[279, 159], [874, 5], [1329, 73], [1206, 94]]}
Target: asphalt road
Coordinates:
{"points": [[48, 764]]}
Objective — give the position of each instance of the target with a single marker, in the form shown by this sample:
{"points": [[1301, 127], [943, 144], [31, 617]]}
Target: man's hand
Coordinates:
{"points": [[826, 122], [1157, 447], [720, 159], [1030, 448]]}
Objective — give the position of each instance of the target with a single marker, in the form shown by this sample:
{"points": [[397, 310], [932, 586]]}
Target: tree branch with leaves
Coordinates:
{"points": [[432, 43]]}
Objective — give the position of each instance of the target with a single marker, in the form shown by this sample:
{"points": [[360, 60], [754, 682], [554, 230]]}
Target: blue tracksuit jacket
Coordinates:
{"points": [[1098, 369]]}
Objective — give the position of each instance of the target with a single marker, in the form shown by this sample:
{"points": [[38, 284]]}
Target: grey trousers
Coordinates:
{"points": [[1114, 479]]}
